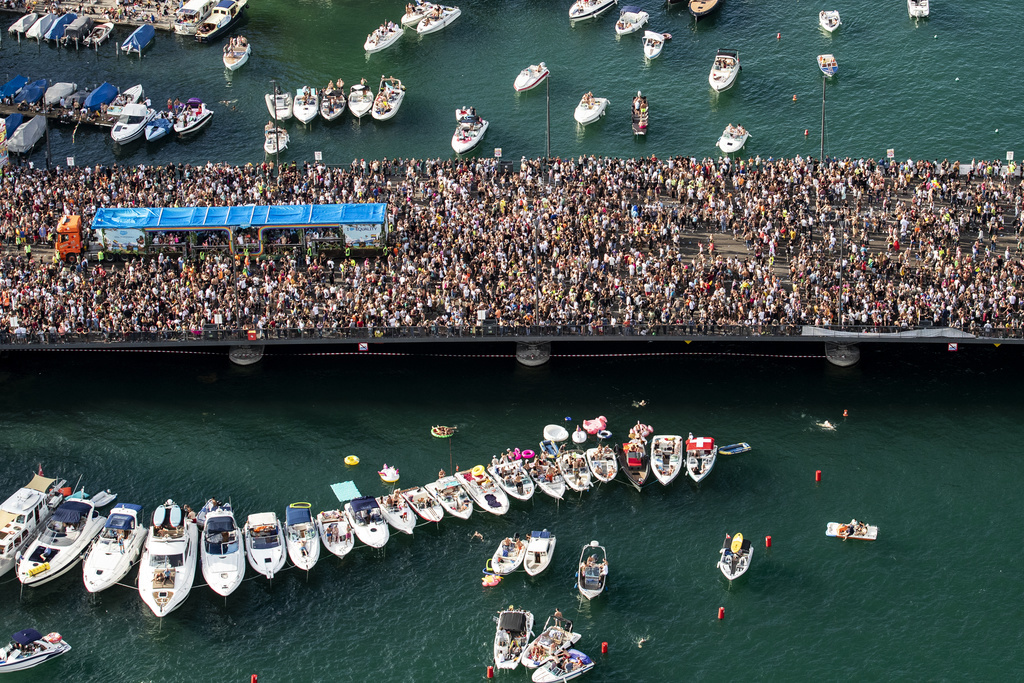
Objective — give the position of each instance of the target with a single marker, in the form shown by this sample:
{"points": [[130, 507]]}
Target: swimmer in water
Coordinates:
{"points": [[827, 425], [640, 643], [640, 404], [478, 535]]}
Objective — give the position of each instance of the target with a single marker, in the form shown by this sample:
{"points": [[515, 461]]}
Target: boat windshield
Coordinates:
{"points": [[166, 561], [217, 546], [59, 537], [265, 542]]}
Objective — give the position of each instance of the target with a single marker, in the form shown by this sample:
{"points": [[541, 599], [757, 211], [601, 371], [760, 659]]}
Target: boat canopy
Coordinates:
{"points": [[512, 621], [27, 636], [630, 9], [224, 4], [262, 519], [138, 40], [32, 93], [71, 512], [121, 522], [39, 482], [298, 515], [13, 86], [192, 8], [58, 90], [104, 94], [364, 503], [701, 443], [79, 28]]}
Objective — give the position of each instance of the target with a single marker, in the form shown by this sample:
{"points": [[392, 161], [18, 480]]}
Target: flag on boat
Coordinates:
{"points": [[700, 443]]}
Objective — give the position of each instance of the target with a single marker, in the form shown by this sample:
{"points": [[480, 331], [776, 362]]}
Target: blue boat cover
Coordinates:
{"points": [[104, 94], [250, 215], [71, 511], [632, 9], [120, 522], [297, 515], [31, 94], [29, 635], [56, 31], [137, 509], [138, 40], [225, 3], [13, 121], [540, 534], [345, 491], [12, 86], [364, 503]]}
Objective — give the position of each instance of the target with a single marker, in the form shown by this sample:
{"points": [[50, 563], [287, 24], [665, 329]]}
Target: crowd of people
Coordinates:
{"points": [[583, 243]]}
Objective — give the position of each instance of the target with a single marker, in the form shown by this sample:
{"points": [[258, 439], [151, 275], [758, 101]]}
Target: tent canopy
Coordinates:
{"points": [[237, 216]]}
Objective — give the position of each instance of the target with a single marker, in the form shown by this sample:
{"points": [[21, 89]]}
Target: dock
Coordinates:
{"points": [[57, 115], [107, 10]]}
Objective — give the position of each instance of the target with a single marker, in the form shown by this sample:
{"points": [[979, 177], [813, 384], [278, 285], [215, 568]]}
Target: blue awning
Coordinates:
{"points": [[540, 534], [297, 515], [120, 522], [365, 503], [236, 216], [71, 512], [29, 635]]}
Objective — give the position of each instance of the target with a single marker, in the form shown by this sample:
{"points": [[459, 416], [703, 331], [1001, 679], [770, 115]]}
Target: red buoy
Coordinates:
{"points": [[604, 647], [767, 541], [253, 679], [721, 613], [778, 36], [490, 672], [817, 475], [846, 413], [806, 132]]}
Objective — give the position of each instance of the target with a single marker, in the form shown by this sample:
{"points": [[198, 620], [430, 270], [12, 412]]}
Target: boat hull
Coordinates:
{"points": [[580, 11], [102, 569], [234, 60], [529, 79]]}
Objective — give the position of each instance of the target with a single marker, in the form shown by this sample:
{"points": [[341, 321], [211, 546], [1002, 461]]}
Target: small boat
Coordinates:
{"points": [[733, 138], [139, 40], [602, 463], [27, 136], [556, 433], [62, 542], [57, 28], [264, 543], [396, 511], [423, 504], [508, 557], [133, 95], [222, 551], [306, 104], [104, 94], [593, 571], [131, 124], [515, 630], [23, 24], [918, 8], [640, 114], [556, 636], [332, 101], [366, 520], [634, 463], [829, 20], [589, 9], [336, 532], [29, 648], [545, 473], [437, 19], [702, 8], [236, 53], [734, 449], [58, 91], [653, 43], [564, 666], [451, 496], [415, 13], [13, 122], [32, 93], [222, 18], [540, 546], [574, 469], [469, 132], [360, 100], [168, 565], [383, 37], [25, 512], [302, 538], [389, 98], [735, 557], [859, 531], [190, 15], [13, 87], [77, 31], [159, 126], [590, 109], [828, 65], [194, 116], [700, 457], [99, 34], [485, 493], [279, 105], [631, 20], [42, 25], [666, 457], [531, 77], [116, 549], [275, 140], [724, 70], [513, 478]]}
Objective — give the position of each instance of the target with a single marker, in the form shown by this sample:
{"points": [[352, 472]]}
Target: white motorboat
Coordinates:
{"points": [[451, 496], [302, 538], [631, 20], [439, 17], [634, 463], [540, 547], [590, 109], [275, 140], [29, 648], [368, 523], [61, 543], [306, 104], [484, 492], [858, 531], [190, 15], [593, 572], [24, 23], [236, 53], [829, 20], [544, 470], [336, 532], [724, 70], [666, 457], [733, 138], [700, 457], [360, 100], [100, 34], [603, 463], [563, 667], [918, 8], [279, 105], [515, 630], [193, 117], [531, 77], [383, 37], [469, 132], [423, 504], [116, 549], [508, 557], [574, 469], [159, 126], [389, 99], [23, 514], [415, 13], [396, 511], [41, 26], [264, 543], [133, 95], [556, 636], [332, 105], [131, 124], [512, 477], [828, 65], [222, 551], [735, 557], [168, 565], [589, 9], [654, 43]]}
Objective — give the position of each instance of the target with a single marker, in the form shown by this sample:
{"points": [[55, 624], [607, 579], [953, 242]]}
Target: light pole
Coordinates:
{"points": [[547, 113]]}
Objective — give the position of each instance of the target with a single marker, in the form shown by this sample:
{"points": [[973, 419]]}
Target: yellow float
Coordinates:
{"points": [[478, 471], [352, 460]]}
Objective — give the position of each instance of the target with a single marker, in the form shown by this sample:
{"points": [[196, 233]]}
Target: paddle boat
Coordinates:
{"points": [[634, 463], [666, 457], [724, 70], [589, 9], [360, 100], [116, 549], [540, 547], [366, 520], [388, 474], [275, 140], [858, 531], [222, 18], [484, 492], [133, 95], [602, 463], [190, 15], [590, 109], [397, 512], [333, 101], [557, 635], [515, 630], [439, 17], [573, 466], [41, 26], [29, 648], [139, 40], [264, 543], [236, 53], [389, 98], [596, 425], [383, 37], [735, 557], [593, 572], [734, 449], [423, 504], [99, 34], [640, 114], [222, 551], [564, 666], [57, 28], [61, 543], [828, 65], [829, 20], [918, 9], [159, 126], [702, 8], [733, 138], [415, 13], [192, 118], [23, 24], [513, 478], [450, 495], [131, 124], [469, 133], [335, 532], [508, 557], [301, 536], [168, 565], [77, 31], [654, 42], [631, 20], [306, 104], [25, 512], [531, 77]]}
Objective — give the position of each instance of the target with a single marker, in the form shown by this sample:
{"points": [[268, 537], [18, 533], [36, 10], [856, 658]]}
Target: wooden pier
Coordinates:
{"points": [[57, 115]]}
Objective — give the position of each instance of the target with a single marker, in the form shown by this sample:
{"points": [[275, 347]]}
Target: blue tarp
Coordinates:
{"points": [[345, 491], [138, 40], [29, 635], [631, 9], [297, 515], [56, 31], [71, 512], [13, 121], [12, 86], [104, 94], [236, 216], [31, 94]]}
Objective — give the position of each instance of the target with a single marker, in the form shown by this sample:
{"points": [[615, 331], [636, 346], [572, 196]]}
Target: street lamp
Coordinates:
{"points": [[547, 111]]}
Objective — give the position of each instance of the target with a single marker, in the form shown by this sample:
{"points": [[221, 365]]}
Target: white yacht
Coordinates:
{"points": [[131, 124], [397, 512], [22, 515], [29, 648], [574, 469], [653, 43], [301, 536], [336, 532], [190, 15], [389, 99], [829, 20], [116, 548], [603, 463], [423, 504], [733, 138], [451, 496], [588, 9], [593, 572], [590, 109], [557, 635], [370, 527], [133, 95], [236, 53], [62, 542], [724, 70], [275, 140], [168, 565], [223, 555], [193, 117], [332, 102], [515, 630], [415, 13], [512, 477], [531, 77], [735, 557], [918, 8], [360, 100], [306, 104], [485, 493], [469, 132], [438, 18], [631, 20], [279, 106], [383, 37], [539, 549], [264, 543]]}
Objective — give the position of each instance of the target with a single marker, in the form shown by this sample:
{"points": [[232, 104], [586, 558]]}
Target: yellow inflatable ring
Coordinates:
{"points": [[352, 460], [478, 471]]}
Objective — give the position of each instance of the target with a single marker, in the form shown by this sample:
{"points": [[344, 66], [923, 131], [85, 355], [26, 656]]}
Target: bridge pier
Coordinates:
{"points": [[842, 355], [246, 354], [533, 355]]}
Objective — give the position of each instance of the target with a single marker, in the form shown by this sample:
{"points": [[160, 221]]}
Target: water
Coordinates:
{"points": [[897, 86], [928, 453]]}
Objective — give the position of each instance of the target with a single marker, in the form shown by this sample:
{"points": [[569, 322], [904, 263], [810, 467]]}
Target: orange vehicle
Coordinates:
{"points": [[69, 238]]}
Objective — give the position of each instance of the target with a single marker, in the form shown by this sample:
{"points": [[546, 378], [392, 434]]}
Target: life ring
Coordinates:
{"points": [[604, 434], [528, 454], [351, 459], [478, 471]]}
